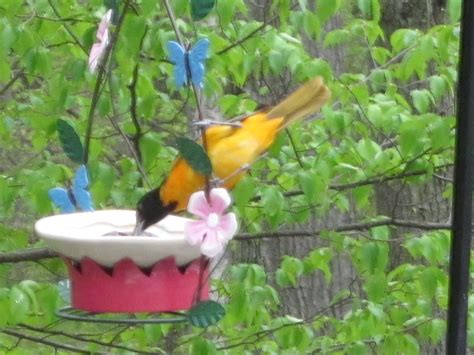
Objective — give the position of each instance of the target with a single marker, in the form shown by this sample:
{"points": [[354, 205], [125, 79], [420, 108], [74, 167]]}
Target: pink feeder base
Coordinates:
{"points": [[126, 288]]}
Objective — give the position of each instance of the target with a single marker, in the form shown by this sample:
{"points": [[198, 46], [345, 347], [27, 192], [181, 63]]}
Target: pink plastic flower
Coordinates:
{"points": [[98, 49], [215, 227]]}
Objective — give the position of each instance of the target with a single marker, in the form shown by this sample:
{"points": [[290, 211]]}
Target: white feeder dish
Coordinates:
{"points": [[78, 235]]}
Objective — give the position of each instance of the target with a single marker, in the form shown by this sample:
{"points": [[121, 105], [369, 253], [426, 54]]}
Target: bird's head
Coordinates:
{"points": [[150, 210]]}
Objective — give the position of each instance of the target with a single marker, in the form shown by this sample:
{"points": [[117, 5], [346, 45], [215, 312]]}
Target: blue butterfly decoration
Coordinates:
{"points": [[188, 63], [77, 197]]}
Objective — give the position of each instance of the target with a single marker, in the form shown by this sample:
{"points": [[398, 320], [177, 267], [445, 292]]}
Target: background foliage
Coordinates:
{"points": [[390, 121]]}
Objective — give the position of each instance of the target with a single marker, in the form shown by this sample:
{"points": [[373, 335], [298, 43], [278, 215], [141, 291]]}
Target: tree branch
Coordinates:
{"points": [[66, 27], [132, 87], [31, 254], [251, 34], [369, 181], [53, 344], [11, 82], [34, 254], [346, 228], [98, 83], [82, 339]]}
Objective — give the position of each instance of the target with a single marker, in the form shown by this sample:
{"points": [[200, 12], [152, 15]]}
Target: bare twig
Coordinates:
{"points": [[252, 338], [369, 181], [43, 341], [173, 21], [293, 146], [99, 80], [126, 139], [11, 82], [443, 178], [132, 87], [66, 27], [82, 339], [346, 228], [32, 254], [251, 34]]}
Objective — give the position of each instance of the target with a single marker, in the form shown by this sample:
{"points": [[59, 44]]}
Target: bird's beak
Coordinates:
{"points": [[138, 227]]}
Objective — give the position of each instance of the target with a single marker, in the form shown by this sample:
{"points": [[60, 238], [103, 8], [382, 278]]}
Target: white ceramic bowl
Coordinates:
{"points": [[78, 235]]}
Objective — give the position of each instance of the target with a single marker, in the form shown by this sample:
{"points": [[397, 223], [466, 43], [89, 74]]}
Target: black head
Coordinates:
{"points": [[150, 210]]}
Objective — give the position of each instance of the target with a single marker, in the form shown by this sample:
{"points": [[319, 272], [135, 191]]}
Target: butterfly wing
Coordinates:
{"points": [[61, 200], [79, 189], [197, 56], [176, 54]]}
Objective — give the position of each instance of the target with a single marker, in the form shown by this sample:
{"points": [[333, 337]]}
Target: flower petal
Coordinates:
{"points": [[228, 226], [194, 231], [220, 200], [94, 56], [212, 244], [104, 25], [198, 205], [97, 53]]}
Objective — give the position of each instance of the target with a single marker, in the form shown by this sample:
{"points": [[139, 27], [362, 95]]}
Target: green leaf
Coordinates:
{"points": [[200, 8], [307, 181], [49, 301], [194, 155], [277, 60], [4, 307], [421, 100], [5, 71], [201, 346], [454, 10], [243, 192], [226, 10], [70, 142], [327, 8], [440, 134], [437, 330], [272, 200], [381, 54], [28, 287], [368, 149], [205, 314], [150, 145], [438, 86], [289, 272], [375, 5], [376, 287], [429, 281], [336, 37], [19, 304], [403, 38], [373, 257], [319, 259], [365, 6], [295, 338], [413, 137]]}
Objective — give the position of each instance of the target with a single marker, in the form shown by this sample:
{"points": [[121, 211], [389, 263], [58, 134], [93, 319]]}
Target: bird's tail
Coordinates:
{"points": [[304, 101]]}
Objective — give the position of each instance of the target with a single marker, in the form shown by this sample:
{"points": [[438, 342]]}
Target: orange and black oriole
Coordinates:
{"points": [[229, 149]]}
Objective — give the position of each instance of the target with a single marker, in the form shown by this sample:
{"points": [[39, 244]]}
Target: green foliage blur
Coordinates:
{"points": [[391, 117]]}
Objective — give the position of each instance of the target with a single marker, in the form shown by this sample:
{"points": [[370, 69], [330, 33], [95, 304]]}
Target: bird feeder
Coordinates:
{"points": [[113, 272]]}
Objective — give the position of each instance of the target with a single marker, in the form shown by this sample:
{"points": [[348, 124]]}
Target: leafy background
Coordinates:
{"points": [[344, 242]]}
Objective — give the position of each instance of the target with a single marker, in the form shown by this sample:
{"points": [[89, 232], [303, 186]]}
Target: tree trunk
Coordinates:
{"points": [[421, 14]]}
